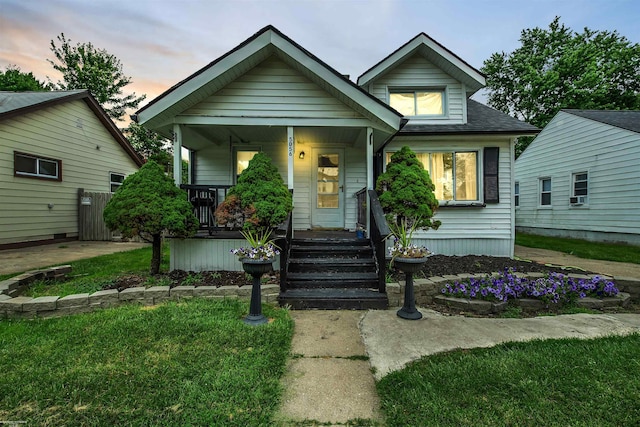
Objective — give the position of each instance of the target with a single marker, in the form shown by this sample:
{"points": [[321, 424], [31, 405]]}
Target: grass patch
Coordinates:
{"points": [[582, 248], [186, 363], [90, 275], [551, 383]]}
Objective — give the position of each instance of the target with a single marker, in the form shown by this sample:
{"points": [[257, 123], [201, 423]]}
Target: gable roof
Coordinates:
{"points": [[265, 43], [13, 104], [439, 55], [625, 119], [480, 120]]}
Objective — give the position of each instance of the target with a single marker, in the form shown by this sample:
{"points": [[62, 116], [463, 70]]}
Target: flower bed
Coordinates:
{"points": [[554, 288]]}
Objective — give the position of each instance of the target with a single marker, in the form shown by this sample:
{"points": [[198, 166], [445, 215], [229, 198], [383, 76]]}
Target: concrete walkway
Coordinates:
{"points": [[34, 257]]}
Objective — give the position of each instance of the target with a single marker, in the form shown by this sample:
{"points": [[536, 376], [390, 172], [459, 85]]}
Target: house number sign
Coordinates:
{"points": [[290, 146]]}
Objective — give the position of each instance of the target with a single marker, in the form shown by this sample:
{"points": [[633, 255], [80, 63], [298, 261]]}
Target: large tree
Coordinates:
{"points": [[559, 68], [83, 66], [149, 205], [14, 80]]}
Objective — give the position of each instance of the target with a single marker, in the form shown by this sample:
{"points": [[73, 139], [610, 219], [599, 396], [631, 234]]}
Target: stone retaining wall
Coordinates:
{"points": [[13, 306], [426, 290]]}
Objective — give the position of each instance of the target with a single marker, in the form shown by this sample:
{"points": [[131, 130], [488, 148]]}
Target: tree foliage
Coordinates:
{"points": [[149, 144], [14, 80], [83, 66], [148, 204], [558, 68], [259, 200], [406, 191]]}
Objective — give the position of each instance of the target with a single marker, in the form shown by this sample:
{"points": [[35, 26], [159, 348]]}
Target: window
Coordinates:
{"points": [[516, 192], [581, 186], [31, 166], [242, 161], [418, 102], [115, 180], [545, 191], [455, 174]]}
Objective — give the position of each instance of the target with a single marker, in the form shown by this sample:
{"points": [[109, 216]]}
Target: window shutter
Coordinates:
{"points": [[490, 170]]}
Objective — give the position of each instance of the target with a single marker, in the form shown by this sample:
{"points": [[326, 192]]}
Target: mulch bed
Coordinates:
{"points": [[438, 265]]}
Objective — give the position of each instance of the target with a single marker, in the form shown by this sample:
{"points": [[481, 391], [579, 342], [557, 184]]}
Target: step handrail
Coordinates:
{"points": [[378, 234], [284, 243]]}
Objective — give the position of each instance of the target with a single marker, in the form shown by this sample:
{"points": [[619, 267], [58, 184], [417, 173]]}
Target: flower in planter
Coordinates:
{"points": [[261, 247], [402, 242]]}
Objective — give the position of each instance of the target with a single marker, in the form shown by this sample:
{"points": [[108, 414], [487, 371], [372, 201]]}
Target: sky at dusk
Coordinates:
{"points": [[161, 42]]}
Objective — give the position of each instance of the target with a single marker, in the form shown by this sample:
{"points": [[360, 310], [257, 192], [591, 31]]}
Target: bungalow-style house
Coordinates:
{"points": [[580, 177], [51, 145], [330, 138]]}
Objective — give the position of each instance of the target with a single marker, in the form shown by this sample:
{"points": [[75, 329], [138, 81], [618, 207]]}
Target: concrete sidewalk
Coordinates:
{"points": [[34, 257]]}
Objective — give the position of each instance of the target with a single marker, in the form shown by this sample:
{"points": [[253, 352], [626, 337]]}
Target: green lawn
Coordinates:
{"points": [[90, 275], [541, 383], [189, 363], [582, 248]]}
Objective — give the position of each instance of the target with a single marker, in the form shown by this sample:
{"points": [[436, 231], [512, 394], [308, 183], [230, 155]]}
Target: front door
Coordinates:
{"points": [[328, 194]]}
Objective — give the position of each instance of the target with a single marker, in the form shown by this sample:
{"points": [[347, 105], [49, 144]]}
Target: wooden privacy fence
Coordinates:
{"points": [[90, 223]]}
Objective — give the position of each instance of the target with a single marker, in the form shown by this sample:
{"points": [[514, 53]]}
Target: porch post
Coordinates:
{"points": [[177, 154], [291, 150], [369, 176]]}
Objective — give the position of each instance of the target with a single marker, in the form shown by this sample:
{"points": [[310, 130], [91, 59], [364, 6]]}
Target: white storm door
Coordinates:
{"points": [[328, 188]]}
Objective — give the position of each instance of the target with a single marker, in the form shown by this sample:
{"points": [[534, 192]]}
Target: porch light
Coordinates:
{"points": [[301, 155]]}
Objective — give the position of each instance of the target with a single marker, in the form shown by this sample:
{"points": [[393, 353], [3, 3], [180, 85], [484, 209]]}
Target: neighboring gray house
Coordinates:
{"points": [[330, 138], [52, 144], [581, 177]]}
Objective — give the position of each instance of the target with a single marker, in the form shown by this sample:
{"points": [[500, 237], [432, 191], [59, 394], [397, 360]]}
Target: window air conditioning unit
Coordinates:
{"points": [[579, 200]]}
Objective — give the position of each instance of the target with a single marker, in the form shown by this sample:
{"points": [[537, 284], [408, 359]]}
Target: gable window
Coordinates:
{"points": [[545, 191], [418, 102], [454, 174], [242, 160], [32, 166], [115, 180], [516, 193], [580, 187]]}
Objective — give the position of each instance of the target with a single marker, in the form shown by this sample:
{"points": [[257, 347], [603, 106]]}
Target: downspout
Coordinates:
{"points": [[378, 161]]}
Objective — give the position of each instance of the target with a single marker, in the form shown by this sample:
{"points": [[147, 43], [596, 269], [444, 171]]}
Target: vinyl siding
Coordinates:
{"points": [[272, 89], [417, 72], [214, 165], [206, 255], [571, 144], [69, 132], [470, 230]]}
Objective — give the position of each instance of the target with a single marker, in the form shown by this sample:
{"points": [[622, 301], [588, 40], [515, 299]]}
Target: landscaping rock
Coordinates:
{"points": [[132, 294], [41, 304], [73, 301], [205, 291], [14, 304], [182, 292], [156, 295], [106, 298]]}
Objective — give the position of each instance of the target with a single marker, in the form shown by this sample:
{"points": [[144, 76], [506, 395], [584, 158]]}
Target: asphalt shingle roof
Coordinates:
{"points": [[480, 120], [625, 119], [11, 101]]}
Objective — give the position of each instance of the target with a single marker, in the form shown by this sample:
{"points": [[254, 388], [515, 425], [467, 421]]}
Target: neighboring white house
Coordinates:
{"points": [[581, 177], [330, 137], [51, 145]]}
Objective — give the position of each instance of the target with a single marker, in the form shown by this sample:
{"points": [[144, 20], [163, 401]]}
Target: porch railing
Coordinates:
{"points": [[285, 232], [361, 197], [378, 233], [205, 199]]}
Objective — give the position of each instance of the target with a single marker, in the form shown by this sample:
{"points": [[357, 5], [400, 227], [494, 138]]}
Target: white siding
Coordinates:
{"points": [[417, 72], [571, 144], [206, 255], [272, 89], [470, 230], [69, 132]]}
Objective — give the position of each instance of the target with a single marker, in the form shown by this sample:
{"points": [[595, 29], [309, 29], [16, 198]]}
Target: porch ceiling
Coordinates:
{"points": [[197, 137]]}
